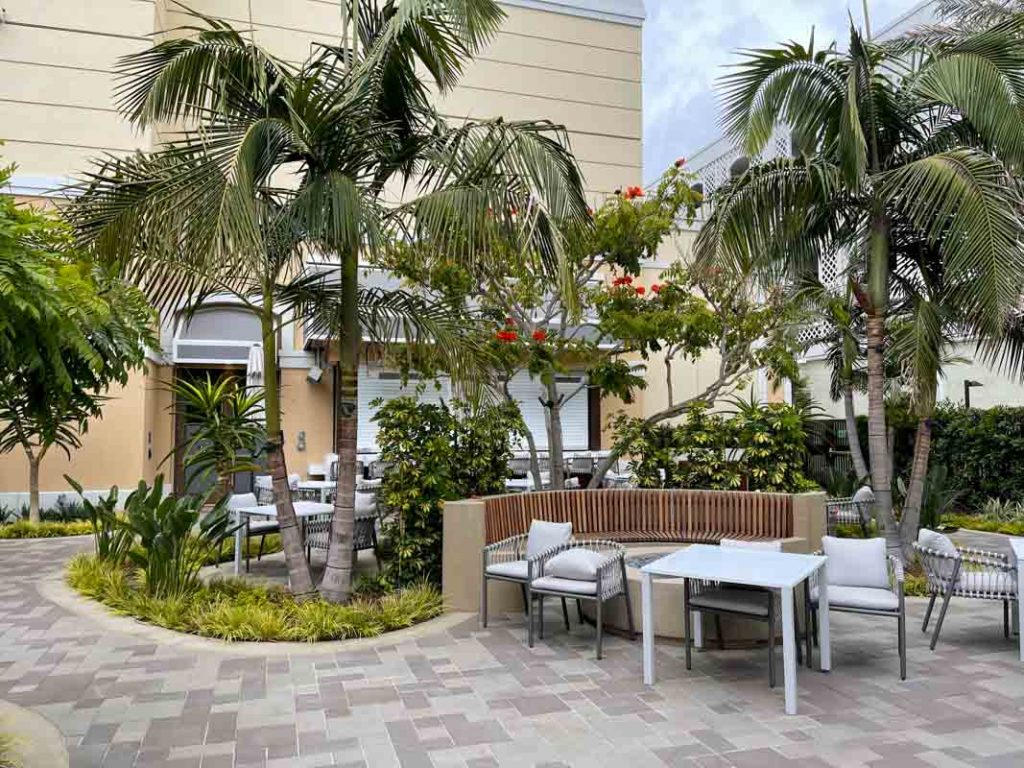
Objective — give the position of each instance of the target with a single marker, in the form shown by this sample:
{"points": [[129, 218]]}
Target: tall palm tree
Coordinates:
{"points": [[339, 155], [923, 133]]}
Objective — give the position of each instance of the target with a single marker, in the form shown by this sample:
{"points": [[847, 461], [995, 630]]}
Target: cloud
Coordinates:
{"points": [[687, 47]]}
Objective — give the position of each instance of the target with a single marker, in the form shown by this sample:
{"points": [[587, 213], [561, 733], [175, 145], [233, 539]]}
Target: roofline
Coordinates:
{"points": [[629, 12]]}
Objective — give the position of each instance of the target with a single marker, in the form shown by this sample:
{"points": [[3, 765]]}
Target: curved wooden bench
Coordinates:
{"points": [[640, 515]]}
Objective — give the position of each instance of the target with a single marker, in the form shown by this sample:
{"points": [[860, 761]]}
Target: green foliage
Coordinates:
{"points": [[112, 540], [64, 510], [987, 450], [174, 538], [986, 523], [23, 529], [759, 447], [69, 330], [232, 609], [8, 753], [1003, 511], [436, 454], [228, 428], [941, 493]]}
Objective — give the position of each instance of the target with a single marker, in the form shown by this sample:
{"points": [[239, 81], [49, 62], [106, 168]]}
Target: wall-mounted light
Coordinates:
{"points": [[300, 441], [968, 385]]}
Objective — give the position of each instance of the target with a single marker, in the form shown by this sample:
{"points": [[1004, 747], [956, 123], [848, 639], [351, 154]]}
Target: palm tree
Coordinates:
{"points": [[350, 133], [923, 133]]}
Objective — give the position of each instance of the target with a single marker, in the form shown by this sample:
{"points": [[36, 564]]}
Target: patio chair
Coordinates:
{"points": [[510, 559], [378, 469], [850, 510], [264, 487], [754, 603], [519, 467], [864, 579], [579, 570], [364, 535], [962, 572], [261, 528]]}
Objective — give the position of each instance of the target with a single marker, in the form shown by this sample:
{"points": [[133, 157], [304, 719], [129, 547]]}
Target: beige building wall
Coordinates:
{"points": [[561, 61]]}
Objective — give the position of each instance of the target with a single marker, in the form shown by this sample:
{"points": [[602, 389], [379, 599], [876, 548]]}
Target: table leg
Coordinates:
{"points": [[1019, 615], [647, 608], [697, 622], [239, 534], [788, 648], [824, 641]]}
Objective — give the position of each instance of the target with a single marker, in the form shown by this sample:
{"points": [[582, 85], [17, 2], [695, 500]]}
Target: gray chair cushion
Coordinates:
{"points": [[366, 504], [578, 563], [856, 562], [943, 545], [242, 500], [544, 536], [263, 526], [870, 598], [751, 602], [516, 569], [572, 586], [864, 495]]}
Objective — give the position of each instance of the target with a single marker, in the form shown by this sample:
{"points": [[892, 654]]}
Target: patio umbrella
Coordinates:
{"points": [[254, 371]]}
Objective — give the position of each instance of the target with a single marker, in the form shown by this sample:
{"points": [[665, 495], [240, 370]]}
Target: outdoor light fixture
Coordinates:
{"points": [[967, 391]]}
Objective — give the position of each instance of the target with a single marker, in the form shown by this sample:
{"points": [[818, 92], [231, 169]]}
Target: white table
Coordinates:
{"points": [[1017, 545], [302, 509], [759, 568]]}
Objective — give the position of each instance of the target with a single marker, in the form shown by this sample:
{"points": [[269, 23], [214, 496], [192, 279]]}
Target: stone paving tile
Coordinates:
{"points": [[480, 698]]}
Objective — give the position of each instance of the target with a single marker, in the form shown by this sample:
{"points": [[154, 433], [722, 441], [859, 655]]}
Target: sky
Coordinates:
{"points": [[687, 44]]}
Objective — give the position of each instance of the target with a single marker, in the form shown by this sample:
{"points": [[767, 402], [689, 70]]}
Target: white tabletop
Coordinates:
{"points": [[1017, 545], [302, 509], [756, 567]]}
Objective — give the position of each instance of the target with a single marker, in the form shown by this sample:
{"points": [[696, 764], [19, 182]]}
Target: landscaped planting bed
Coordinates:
{"points": [[232, 609], [23, 529]]}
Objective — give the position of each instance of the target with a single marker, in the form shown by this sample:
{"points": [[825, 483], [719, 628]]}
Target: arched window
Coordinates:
{"points": [[219, 334]]}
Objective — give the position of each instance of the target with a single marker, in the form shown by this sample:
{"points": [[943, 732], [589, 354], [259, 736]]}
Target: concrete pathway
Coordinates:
{"points": [[465, 697]]}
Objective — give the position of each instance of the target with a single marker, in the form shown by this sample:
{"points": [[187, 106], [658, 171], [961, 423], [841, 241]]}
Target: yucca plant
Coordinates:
{"points": [[229, 430], [174, 538]]}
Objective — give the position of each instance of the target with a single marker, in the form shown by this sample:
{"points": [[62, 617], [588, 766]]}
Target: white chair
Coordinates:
{"points": [[864, 579], [961, 572], [511, 559], [261, 527], [364, 535], [746, 602]]}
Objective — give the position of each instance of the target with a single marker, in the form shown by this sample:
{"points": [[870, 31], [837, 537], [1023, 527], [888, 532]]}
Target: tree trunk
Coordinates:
{"points": [[531, 444], [34, 515], [336, 586], [553, 404], [910, 519], [878, 442], [299, 579], [860, 466]]}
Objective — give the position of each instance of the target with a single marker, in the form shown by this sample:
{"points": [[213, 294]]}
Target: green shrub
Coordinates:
{"points": [[436, 454], [23, 529], [8, 755], [987, 524], [232, 609], [174, 538]]}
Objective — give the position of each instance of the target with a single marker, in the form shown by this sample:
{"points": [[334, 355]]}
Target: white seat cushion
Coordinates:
{"points": [[752, 602], [864, 495], [555, 584], [987, 582], [544, 536], [265, 526], [773, 545], [856, 562], [871, 598], [577, 563], [515, 569], [366, 504]]}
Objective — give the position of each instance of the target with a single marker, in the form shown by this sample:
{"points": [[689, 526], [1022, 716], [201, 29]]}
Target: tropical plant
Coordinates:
{"points": [[1003, 511], [208, 213], [174, 538], [64, 510], [916, 140], [228, 428], [112, 539], [437, 453], [68, 332]]}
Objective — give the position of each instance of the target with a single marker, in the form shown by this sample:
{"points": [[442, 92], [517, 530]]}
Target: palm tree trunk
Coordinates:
{"points": [[910, 519], [34, 459], [299, 579], [555, 449], [860, 466], [336, 586], [878, 442]]}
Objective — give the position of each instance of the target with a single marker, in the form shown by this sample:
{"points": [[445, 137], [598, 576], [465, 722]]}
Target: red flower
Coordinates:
{"points": [[590, 211], [656, 288], [634, 192], [509, 321], [540, 335], [680, 162], [506, 336], [640, 290], [624, 280]]}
